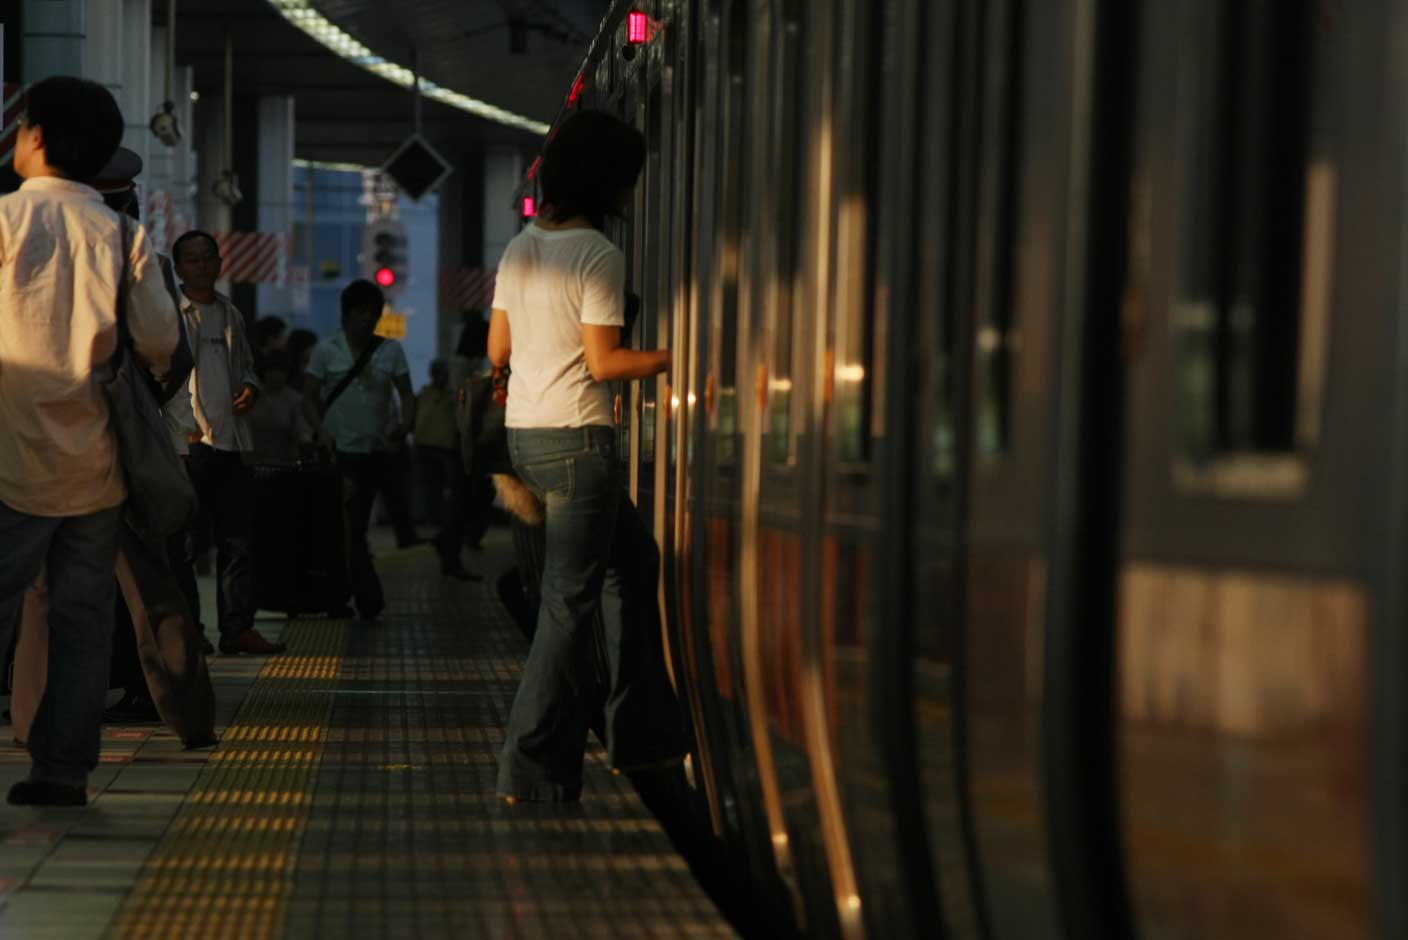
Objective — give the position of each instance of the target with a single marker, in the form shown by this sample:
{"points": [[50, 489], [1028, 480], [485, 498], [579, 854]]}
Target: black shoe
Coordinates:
{"points": [[342, 613], [206, 647], [458, 573], [371, 613], [43, 793], [133, 708]]}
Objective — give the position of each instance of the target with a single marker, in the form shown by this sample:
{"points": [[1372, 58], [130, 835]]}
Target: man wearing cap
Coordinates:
{"points": [[61, 485]]}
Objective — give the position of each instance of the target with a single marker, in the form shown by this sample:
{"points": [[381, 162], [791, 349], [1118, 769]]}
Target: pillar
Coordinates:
{"points": [[136, 77], [55, 36], [275, 211], [503, 171]]}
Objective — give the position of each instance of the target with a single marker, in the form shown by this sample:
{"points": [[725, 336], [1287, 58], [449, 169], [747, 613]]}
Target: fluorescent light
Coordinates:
{"points": [[301, 14], [331, 165]]}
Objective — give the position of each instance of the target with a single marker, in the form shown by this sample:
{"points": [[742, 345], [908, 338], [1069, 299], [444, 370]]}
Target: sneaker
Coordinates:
{"points": [[250, 641], [133, 708], [44, 793]]}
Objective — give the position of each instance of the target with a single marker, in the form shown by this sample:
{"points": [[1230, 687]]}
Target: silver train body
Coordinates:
{"points": [[1032, 473]]}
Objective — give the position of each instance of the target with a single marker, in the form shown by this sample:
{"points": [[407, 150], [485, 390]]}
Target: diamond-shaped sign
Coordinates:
{"points": [[416, 167]]}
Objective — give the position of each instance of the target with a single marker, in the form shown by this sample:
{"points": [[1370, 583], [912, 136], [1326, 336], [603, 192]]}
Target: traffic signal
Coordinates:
{"points": [[386, 256]]}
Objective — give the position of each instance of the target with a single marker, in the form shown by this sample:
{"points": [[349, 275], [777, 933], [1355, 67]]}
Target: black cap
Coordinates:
{"points": [[117, 176]]}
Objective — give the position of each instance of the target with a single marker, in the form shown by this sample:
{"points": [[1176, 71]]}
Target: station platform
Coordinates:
{"points": [[351, 795]]}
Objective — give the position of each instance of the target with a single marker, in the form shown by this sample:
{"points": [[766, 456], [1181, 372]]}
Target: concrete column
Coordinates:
{"points": [[136, 76], [503, 171], [451, 255], [103, 51], [212, 215], [275, 212], [55, 34]]}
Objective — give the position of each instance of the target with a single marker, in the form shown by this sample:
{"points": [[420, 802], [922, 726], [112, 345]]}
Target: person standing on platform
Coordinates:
{"points": [[437, 452], [61, 483], [559, 306], [280, 431], [223, 389], [347, 402]]}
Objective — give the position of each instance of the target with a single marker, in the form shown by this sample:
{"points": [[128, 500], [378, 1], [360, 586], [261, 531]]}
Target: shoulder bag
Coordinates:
{"points": [[160, 497], [367, 352]]}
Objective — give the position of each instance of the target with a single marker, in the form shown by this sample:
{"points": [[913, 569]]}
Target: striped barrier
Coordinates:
{"points": [[254, 257]]}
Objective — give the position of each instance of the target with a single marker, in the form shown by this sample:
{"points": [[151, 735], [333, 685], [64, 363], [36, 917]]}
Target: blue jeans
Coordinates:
{"points": [[77, 555], [574, 471]]}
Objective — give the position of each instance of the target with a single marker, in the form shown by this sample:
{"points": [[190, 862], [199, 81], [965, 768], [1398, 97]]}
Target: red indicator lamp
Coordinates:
{"points": [[385, 277], [530, 207], [637, 28]]}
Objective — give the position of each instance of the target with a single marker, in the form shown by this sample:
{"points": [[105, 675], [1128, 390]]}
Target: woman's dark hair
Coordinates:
{"points": [[81, 121], [190, 236], [362, 294], [588, 164], [298, 341], [267, 329]]}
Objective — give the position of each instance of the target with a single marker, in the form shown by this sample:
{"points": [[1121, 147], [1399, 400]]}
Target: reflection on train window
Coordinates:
{"points": [[656, 236], [1256, 237], [733, 146], [786, 89]]}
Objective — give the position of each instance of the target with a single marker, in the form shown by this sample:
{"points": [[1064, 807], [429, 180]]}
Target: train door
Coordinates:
{"points": [[1260, 604], [775, 579], [723, 192]]}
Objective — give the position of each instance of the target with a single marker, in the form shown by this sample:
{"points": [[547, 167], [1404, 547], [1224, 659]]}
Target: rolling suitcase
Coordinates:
{"points": [[300, 553]]}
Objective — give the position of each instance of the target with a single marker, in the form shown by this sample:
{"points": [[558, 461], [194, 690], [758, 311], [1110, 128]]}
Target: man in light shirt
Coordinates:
{"points": [[349, 409], [223, 389], [61, 485]]}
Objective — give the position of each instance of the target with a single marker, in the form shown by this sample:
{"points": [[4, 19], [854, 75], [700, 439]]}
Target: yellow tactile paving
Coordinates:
{"points": [[224, 868]]}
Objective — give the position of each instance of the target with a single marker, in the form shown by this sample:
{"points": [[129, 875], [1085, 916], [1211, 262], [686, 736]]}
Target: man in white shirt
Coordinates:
{"points": [[347, 399], [61, 485], [223, 389]]}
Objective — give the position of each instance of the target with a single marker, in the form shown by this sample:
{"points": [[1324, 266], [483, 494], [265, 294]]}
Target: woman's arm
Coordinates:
{"points": [[500, 340], [608, 360]]}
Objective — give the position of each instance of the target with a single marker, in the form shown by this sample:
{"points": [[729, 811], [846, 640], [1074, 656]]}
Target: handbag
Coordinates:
{"points": [[160, 497]]}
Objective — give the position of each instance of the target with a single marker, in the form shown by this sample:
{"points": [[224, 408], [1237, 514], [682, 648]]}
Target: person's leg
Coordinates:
{"points": [[63, 741], [547, 727], [450, 540], [644, 724], [432, 483], [479, 507], [233, 514], [394, 483], [362, 477]]}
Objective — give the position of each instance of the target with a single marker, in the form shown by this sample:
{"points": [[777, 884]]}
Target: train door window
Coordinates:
{"points": [[997, 339], [654, 254], [734, 147], [786, 88], [1249, 319]]}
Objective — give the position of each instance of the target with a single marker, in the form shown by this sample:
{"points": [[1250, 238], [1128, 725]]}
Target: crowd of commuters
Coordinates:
{"points": [[88, 603], [88, 589]]}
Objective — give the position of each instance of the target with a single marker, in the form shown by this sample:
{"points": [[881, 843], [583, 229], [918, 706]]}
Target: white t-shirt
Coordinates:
{"points": [[212, 373], [550, 283]]}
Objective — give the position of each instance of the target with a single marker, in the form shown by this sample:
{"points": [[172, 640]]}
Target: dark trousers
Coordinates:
{"points": [[77, 556], [362, 476], [226, 491], [442, 475], [395, 493]]}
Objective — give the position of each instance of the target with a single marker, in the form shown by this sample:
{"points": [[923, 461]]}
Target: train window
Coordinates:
{"points": [[786, 89], [733, 147], [1250, 312]]}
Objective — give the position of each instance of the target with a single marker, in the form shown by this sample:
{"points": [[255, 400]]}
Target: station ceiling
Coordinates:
{"points": [[517, 54]]}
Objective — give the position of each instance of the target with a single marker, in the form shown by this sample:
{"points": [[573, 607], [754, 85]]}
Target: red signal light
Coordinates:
{"points": [[385, 277], [637, 28], [530, 207]]}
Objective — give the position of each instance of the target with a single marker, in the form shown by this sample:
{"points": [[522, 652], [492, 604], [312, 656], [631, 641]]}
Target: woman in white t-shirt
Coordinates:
{"points": [[559, 306]]}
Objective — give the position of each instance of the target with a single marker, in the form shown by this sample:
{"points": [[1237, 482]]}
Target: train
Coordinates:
{"points": [[1031, 475]]}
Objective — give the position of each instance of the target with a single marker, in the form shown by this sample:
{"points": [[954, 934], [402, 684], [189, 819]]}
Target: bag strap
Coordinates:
{"points": [[367, 352], [124, 335]]}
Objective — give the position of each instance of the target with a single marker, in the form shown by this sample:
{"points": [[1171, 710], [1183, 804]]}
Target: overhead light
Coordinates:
{"points": [[195, 96], [301, 14]]}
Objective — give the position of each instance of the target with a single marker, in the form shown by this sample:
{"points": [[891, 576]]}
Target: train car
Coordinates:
{"points": [[1030, 475]]}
